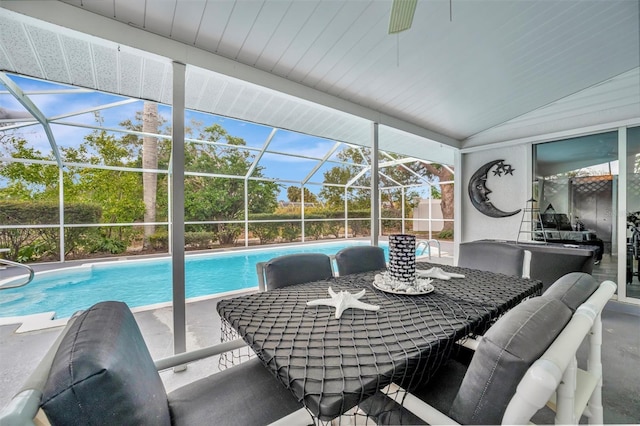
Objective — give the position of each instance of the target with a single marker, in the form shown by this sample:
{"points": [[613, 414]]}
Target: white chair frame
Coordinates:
{"points": [[553, 380]]}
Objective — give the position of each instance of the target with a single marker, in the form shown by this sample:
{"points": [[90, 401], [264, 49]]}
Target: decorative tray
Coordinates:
{"points": [[427, 290], [385, 283]]}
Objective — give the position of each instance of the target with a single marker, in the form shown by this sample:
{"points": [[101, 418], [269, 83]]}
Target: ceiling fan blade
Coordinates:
{"points": [[401, 15]]}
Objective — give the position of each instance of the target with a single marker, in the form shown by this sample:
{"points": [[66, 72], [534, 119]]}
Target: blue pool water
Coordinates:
{"points": [[144, 282]]}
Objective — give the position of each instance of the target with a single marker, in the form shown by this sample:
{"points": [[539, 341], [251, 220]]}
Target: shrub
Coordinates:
{"points": [[266, 232], [201, 240], [290, 231], [108, 245], [446, 234], [228, 233], [159, 240], [44, 213], [33, 252]]}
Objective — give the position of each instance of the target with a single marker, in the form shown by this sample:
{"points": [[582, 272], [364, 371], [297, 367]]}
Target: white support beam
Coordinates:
{"points": [[624, 169], [61, 210], [259, 156], [357, 176], [375, 193], [458, 193], [33, 110], [94, 109], [177, 211], [328, 155]]}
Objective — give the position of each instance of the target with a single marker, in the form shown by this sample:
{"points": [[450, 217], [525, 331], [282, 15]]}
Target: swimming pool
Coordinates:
{"points": [[146, 282]]}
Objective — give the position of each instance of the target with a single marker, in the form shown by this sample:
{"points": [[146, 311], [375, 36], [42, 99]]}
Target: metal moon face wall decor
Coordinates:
{"points": [[479, 193]]}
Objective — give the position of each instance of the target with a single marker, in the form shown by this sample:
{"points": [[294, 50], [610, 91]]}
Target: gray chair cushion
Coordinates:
{"points": [[573, 289], [352, 260], [246, 394], [104, 375], [503, 356], [549, 262], [297, 268], [501, 258]]}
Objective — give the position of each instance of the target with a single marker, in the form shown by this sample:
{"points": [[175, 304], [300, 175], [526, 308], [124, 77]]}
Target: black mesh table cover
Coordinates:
{"points": [[331, 365]]}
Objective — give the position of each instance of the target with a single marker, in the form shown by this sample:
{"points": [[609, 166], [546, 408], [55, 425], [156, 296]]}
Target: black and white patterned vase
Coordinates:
{"points": [[402, 257]]}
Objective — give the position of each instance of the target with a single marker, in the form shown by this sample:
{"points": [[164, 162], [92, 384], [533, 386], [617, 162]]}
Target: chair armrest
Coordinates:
{"points": [[24, 406], [195, 355], [544, 376]]}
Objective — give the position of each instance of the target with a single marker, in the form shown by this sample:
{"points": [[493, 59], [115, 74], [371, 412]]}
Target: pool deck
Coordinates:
{"points": [[20, 352], [24, 343]]}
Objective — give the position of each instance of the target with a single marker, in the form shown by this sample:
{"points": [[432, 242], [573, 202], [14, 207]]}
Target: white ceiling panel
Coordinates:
{"points": [[456, 75], [305, 40], [17, 45], [4, 60], [130, 74], [319, 60], [280, 38], [49, 50], [213, 23], [234, 31], [615, 100], [77, 55], [153, 76], [135, 12], [262, 31], [159, 18], [106, 60], [186, 20], [101, 7]]}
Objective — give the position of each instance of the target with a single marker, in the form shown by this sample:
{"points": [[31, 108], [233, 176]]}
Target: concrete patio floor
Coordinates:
{"points": [[20, 352]]}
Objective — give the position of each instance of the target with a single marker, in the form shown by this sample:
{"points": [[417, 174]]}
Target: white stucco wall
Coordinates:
{"points": [[422, 212], [509, 193]]}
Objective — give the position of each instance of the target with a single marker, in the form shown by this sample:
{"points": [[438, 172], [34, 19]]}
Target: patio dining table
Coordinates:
{"points": [[333, 364]]}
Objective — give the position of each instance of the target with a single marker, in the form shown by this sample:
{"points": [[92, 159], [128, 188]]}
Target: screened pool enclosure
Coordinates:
{"points": [[87, 172]]}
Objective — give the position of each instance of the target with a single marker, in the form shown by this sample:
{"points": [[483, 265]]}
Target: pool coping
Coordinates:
{"points": [[45, 320]]}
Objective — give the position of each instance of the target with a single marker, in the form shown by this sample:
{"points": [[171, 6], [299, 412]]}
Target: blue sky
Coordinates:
{"points": [[58, 104], [53, 105]]}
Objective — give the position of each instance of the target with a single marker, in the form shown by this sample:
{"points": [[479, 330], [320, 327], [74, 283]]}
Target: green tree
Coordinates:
{"points": [[27, 181], [400, 173], [220, 198], [117, 192], [333, 196], [293, 194], [120, 194], [150, 124]]}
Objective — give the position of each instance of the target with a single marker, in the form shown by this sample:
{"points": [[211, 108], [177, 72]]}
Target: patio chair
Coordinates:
{"points": [[551, 262], [293, 269], [352, 260], [100, 371], [493, 256], [525, 360], [573, 289]]}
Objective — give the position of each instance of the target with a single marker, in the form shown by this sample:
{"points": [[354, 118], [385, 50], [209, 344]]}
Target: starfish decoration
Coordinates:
{"points": [[343, 301], [508, 169]]}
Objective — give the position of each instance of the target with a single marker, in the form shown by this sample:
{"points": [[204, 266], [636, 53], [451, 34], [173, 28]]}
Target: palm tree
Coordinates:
{"points": [[150, 124]]}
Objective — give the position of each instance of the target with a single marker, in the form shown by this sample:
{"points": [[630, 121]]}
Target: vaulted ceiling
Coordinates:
{"points": [[467, 73]]}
